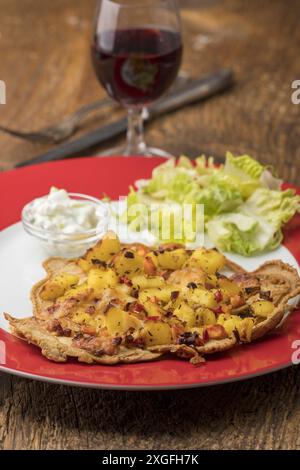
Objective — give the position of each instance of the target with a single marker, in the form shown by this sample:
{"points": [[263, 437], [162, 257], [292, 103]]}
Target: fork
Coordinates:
{"points": [[66, 128]]}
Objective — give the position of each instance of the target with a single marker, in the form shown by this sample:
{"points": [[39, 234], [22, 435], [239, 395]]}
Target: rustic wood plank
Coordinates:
{"points": [[48, 74]]}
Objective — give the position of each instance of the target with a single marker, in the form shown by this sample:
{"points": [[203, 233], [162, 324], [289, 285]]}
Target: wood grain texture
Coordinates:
{"points": [[45, 62]]}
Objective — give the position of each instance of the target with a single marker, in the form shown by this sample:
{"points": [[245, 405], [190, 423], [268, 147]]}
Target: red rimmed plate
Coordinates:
{"points": [[20, 268]]}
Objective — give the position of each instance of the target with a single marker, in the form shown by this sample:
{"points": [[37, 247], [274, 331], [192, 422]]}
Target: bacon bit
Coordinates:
{"points": [[56, 327], [168, 313], [88, 330], [218, 296], [153, 318], [90, 309], [149, 266], [165, 274], [125, 280], [190, 339], [176, 331], [218, 310], [216, 331], [136, 307], [99, 262], [266, 295], [192, 285], [237, 301], [208, 285], [205, 336], [52, 309], [174, 294], [117, 340]]}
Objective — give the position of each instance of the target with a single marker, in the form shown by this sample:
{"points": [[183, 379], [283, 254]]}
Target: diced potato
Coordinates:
{"points": [[57, 285], [84, 264], [118, 321], [262, 308], [244, 329], [205, 316], [216, 332], [143, 282], [82, 289], [156, 333], [229, 286], [186, 314], [150, 264], [210, 261], [202, 297], [98, 279], [128, 262], [152, 309], [161, 293], [233, 323], [104, 250], [229, 322], [172, 259]]}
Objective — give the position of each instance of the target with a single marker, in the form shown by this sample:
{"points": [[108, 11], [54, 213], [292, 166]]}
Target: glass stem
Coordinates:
{"points": [[135, 132]]}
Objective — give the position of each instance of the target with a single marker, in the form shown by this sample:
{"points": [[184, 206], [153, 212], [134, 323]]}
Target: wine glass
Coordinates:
{"points": [[136, 53]]}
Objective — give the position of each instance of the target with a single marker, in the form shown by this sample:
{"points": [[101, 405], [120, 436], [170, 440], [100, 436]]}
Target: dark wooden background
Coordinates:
{"points": [[45, 62]]}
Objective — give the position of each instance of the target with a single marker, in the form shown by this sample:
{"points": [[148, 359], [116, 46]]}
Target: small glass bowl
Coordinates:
{"points": [[68, 245]]}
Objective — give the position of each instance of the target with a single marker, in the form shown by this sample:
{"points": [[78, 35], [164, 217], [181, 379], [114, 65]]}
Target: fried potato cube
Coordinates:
{"points": [[216, 332], [152, 309], [233, 323], [205, 316], [82, 317], [244, 329], [128, 262], [104, 250], [172, 259], [57, 285], [118, 321], [201, 297], [186, 314], [229, 287], [162, 294], [143, 282], [84, 264], [98, 279], [150, 264], [262, 308], [156, 333], [210, 261], [82, 290]]}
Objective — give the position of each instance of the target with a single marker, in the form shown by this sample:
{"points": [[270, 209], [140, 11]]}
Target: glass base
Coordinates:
{"points": [[148, 152]]}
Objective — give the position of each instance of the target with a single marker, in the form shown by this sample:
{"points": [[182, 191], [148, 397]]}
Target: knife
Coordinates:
{"points": [[192, 92]]}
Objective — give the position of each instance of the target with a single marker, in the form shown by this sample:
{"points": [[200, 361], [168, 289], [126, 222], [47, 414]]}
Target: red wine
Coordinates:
{"points": [[136, 66]]}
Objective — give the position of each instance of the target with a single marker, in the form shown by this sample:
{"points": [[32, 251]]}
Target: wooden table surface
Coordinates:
{"points": [[45, 62]]}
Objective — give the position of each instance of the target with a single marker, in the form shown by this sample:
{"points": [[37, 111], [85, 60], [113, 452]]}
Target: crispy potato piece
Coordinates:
{"points": [[128, 262], [118, 321], [104, 250], [262, 308], [210, 261], [172, 259], [201, 297], [98, 279], [186, 314], [156, 333], [143, 282], [57, 285]]}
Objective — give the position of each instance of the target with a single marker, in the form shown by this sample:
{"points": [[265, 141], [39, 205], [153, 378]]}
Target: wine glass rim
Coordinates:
{"points": [[148, 4]]}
